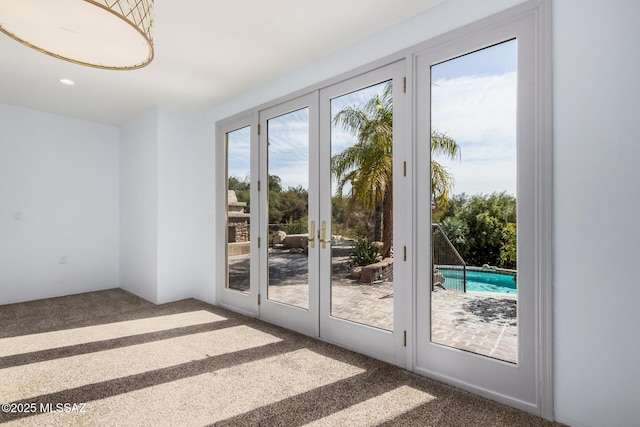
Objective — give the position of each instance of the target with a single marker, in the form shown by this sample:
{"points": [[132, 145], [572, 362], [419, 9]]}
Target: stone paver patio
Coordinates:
{"points": [[480, 322]]}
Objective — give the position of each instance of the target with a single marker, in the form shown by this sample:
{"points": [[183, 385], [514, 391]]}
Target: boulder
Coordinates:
{"points": [[278, 237], [296, 241]]}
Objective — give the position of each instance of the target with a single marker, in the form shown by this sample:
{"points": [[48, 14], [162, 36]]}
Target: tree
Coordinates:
{"points": [[288, 206], [367, 166], [441, 179], [274, 193], [508, 250], [457, 231], [294, 204], [482, 227], [242, 190]]}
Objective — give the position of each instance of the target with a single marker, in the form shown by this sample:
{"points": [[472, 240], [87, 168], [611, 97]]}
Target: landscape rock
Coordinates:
{"points": [[355, 273], [278, 237]]}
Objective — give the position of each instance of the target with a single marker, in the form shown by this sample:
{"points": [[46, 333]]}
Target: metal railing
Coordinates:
{"points": [[446, 257]]}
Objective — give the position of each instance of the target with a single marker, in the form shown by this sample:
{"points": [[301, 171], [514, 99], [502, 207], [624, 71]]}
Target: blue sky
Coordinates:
{"points": [[239, 153], [289, 141], [473, 101], [492, 61], [289, 148]]}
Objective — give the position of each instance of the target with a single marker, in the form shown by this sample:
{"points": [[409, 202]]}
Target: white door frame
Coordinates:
{"points": [[245, 303], [527, 384], [537, 15], [381, 344], [305, 321]]}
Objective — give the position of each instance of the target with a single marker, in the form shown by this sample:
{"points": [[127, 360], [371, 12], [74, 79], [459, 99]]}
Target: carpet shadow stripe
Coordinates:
{"points": [[19, 325], [319, 402], [97, 346], [105, 389]]}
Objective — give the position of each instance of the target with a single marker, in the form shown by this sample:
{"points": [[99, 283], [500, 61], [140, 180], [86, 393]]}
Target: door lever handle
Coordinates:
{"points": [[312, 240], [324, 240]]}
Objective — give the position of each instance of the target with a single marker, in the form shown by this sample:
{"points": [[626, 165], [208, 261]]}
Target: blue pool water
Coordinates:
{"points": [[483, 281]]}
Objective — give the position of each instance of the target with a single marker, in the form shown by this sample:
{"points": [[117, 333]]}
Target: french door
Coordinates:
{"points": [[324, 247], [366, 313], [289, 277], [481, 92], [408, 219]]}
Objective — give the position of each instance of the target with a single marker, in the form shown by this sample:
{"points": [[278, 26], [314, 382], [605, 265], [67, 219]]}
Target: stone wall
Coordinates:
{"points": [[379, 271], [238, 230]]}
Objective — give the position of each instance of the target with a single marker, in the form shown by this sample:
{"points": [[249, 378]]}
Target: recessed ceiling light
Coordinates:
{"points": [[67, 82]]}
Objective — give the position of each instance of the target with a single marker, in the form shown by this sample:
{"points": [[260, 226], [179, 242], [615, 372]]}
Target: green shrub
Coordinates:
{"points": [[482, 227], [364, 252], [300, 226]]}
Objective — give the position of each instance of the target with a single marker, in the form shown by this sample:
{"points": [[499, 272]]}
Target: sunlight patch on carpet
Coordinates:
{"points": [[68, 337], [377, 410], [215, 396], [41, 378]]}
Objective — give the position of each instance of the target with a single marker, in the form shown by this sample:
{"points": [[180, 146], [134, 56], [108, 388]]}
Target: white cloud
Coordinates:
{"points": [[477, 111], [288, 137], [480, 114], [482, 176], [239, 153]]}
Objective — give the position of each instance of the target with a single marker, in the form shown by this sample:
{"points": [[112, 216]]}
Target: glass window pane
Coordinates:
{"points": [[238, 209], [288, 203], [473, 203], [362, 206]]}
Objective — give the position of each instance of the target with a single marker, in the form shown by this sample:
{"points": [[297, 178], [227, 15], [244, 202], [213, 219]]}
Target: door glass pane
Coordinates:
{"points": [[288, 202], [362, 206], [238, 208], [473, 203]]}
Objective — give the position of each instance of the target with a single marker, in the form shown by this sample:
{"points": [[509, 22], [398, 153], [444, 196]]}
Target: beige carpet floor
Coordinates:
{"points": [[110, 358]]}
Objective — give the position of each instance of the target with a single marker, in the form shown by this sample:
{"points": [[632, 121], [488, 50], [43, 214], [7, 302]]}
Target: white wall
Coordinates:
{"points": [[157, 206], [597, 200], [139, 206], [203, 143], [62, 175], [176, 200]]}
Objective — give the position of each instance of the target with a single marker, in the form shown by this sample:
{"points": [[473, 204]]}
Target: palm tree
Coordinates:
{"points": [[367, 166], [441, 178]]}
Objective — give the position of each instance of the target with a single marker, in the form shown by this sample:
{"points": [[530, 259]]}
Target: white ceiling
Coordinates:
{"points": [[205, 52]]}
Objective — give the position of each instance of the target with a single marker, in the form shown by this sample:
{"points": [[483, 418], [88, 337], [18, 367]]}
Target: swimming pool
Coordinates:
{"points": [[483, 281]]}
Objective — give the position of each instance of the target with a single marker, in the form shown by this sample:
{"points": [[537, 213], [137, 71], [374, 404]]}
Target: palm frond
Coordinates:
{"points": [[442, 144], [441, 184]]}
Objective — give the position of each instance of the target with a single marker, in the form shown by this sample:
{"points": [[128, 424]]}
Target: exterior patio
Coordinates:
{"points": [[479, 322]]}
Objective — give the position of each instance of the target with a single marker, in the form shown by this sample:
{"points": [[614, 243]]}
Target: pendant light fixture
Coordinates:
{"points": [[107, 34]]}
